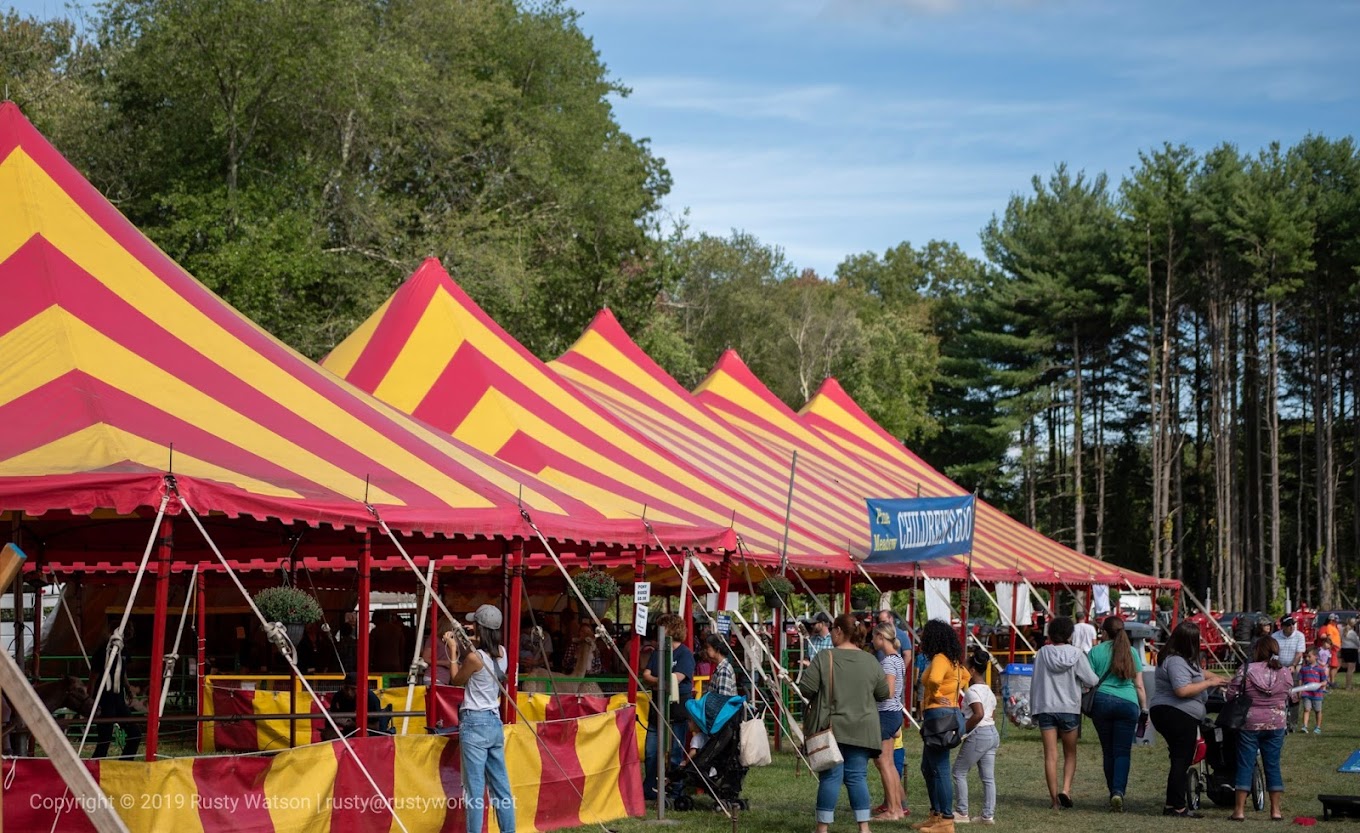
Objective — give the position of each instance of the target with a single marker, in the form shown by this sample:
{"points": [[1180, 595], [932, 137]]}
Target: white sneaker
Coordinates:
{"points": [[961, 818], [986, 820]]}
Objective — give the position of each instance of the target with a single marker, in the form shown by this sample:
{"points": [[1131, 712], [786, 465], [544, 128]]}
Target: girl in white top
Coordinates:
{"points": [[480, 733], [979, 748]]}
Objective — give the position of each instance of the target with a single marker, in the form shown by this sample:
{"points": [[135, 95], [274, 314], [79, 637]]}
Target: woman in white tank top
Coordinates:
{"points": [[480, 733]]}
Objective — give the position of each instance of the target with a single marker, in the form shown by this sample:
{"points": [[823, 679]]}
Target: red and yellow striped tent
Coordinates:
{"points": [[1006, 549], [734, 422], [432, 352], [609, 367], [110, 354], [575, 772]]}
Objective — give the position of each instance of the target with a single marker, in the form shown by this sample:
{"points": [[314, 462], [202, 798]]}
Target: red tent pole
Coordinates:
{"points": [[514, 610], [724, 580], [1015, 598], [1176, 608], [435, 635], [845, 588], [687, 611], [361, 636], [201, 625], [635, 639], [153, 717]]}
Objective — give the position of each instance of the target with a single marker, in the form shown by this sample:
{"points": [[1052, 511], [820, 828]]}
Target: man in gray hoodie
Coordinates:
{"points": [[1060, 672]]}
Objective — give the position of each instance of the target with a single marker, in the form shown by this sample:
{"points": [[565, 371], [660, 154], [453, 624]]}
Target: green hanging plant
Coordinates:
{"points": [[863, 596], [776, 590], [597, 584], [288, 605]]}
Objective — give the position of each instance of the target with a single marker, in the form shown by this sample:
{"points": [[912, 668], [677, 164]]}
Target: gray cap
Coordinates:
{"points": [[487, 616], [823, 617]]}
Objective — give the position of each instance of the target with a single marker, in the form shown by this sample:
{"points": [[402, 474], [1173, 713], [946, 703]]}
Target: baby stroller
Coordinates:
{"points": [[716, 768], [1213, 771]]}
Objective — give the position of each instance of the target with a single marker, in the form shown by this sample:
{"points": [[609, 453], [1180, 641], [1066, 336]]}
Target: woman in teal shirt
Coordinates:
{"points": [[1120, 702]]}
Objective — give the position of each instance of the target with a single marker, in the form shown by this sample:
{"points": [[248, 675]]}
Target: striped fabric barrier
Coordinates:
{"points": [[577, 772], [269, 735]]}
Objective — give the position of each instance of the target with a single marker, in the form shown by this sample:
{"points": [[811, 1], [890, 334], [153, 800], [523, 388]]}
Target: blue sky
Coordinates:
{"points": [[830, 127]]}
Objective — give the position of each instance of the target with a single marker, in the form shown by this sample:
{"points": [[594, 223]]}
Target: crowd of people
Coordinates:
{"points": [[1096, 672]]}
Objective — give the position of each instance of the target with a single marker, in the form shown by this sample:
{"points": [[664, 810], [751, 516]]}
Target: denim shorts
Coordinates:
{"points": [[1061, 721], [889, 723], [1312, 705]]}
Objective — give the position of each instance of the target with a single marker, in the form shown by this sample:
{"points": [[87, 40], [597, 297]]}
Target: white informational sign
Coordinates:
{"points": [[937, 599], [642, 593], [732, 598], [640, 620]]}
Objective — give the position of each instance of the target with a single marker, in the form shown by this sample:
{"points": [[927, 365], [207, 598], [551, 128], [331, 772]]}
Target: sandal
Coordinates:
{"points": [[1237, 818], [1065, 800]]}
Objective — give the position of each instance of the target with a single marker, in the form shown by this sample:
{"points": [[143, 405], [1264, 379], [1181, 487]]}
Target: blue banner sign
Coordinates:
{"points": [[904, 530]]}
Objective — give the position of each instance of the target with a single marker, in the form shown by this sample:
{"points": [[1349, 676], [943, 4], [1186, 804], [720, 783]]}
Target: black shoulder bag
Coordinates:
{"points": [[1234, 713], [945, 731]]}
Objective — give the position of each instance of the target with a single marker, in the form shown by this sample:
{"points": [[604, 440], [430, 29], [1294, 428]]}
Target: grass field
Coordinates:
{"points": [[782, 797]]}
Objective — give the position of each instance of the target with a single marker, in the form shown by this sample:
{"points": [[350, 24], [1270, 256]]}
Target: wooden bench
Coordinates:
{"points": [[1340, 807]]}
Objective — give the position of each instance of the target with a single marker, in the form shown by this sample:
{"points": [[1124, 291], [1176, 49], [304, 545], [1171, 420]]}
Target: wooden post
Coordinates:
{"points": [[361, 637], [164, 545]]}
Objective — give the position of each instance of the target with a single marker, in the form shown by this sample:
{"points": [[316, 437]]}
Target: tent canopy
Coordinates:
{"points": [[110, 354], [431, 351]]}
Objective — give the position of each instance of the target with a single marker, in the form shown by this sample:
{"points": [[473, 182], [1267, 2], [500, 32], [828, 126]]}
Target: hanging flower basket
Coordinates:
{"points": [[776, 590], [599, 588], [289, 605], [863, 597]]}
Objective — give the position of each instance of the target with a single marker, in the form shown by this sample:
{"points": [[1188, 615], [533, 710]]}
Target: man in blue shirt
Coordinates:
{"points": [[682, 666], [820, 638]]}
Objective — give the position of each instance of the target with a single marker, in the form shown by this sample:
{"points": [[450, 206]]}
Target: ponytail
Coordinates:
{"points": [[1121, 650]]}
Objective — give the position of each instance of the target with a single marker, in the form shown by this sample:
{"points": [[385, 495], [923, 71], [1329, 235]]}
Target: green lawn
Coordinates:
{"points": [[782, 796]]}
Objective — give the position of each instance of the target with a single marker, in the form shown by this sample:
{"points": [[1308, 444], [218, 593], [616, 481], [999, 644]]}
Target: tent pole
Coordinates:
{"points": [[724, 581], [911, 628], [635, 639], [514, 610], [845, 589], [777, 622], [1015, 629], [201, 625], [361, 637], [37, 619], [153, 718], [431, 689]]}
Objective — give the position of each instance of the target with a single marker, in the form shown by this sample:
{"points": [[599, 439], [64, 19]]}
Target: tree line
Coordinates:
{"points": [[1161, 371]]}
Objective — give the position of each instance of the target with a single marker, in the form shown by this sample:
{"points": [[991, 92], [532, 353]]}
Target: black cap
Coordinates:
{"points": [[351, 679], [823, 617], [1288, 620]]}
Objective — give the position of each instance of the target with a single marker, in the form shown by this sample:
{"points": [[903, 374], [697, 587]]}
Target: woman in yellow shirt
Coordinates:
{"points": [[944, 681]]}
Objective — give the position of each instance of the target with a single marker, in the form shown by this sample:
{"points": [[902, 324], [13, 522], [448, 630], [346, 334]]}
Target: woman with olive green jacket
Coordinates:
{"points": [[844, 686]]}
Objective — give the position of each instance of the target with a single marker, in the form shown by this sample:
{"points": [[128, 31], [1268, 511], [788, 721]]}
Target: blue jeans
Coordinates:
{"points": [[1116, 720], [935, 769], [649, 788], [852, 774], [1270, 742], [482, 740]]}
